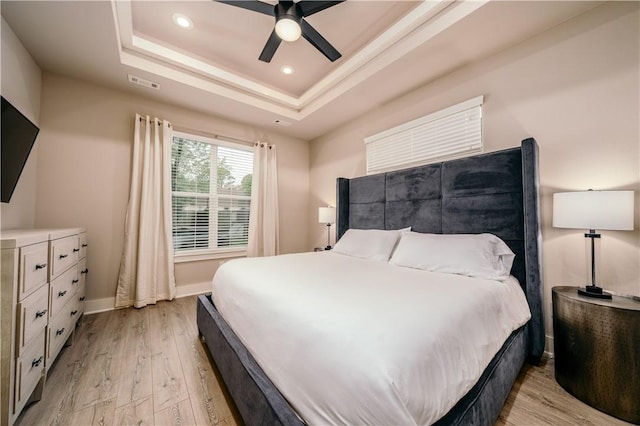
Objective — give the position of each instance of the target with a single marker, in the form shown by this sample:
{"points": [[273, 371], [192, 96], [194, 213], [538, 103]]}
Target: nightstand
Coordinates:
{"points": [[597, 350]]}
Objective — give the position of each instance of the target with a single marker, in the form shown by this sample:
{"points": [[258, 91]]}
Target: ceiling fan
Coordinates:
{"points": [[290, 24]]}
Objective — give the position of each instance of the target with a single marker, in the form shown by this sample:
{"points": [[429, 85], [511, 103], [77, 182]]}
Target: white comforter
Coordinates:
{"points": [[352, 341]]}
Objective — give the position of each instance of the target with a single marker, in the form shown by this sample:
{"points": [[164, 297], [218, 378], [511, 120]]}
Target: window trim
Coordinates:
{"points": [[216, 140], [200, 255], [210, 253]]}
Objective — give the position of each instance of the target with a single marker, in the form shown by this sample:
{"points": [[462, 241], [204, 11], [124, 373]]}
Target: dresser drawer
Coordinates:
{"points": [[32, 317], [63, 289], [59, 330], [29, 369], [82, 241], [63, 253], [33, 268]]}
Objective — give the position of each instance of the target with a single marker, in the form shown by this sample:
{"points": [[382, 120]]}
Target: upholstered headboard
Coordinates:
{"points": [[495, 192]]}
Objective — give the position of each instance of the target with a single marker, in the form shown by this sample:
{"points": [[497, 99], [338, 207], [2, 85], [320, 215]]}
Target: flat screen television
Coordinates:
{"points": [[18, 136]]}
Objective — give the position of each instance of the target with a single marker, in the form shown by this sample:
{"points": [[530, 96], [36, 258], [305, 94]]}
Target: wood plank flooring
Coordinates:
{"points": [[134, 367], [148, 367]]}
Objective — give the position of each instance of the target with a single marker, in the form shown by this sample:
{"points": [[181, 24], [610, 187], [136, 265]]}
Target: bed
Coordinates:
{"points": [[493, 193]]}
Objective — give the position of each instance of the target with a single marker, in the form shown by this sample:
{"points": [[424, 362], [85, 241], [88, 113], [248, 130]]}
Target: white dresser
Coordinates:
{"points": [[43, 290]]}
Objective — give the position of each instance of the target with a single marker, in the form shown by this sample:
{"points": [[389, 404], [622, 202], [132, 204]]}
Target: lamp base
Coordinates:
{"points": [[594, 291]]}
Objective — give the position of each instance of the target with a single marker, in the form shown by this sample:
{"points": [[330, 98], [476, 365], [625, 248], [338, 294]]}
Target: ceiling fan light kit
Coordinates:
{"points": [[290, 25], [288, 29]]}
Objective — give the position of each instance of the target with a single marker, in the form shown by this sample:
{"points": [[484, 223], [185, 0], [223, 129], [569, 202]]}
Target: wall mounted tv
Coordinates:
{"points": [[18, 136]]}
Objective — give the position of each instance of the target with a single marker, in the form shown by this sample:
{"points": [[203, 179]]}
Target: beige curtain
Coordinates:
{"points": [[146, 268], [263, 218]]}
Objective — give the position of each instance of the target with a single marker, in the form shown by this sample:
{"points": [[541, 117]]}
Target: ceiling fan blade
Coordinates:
{"points": [[270, 48], [310, 7], [255, 5], [319, 42]]}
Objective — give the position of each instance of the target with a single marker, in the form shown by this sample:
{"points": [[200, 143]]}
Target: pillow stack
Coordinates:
{"points": [[475, 255]]}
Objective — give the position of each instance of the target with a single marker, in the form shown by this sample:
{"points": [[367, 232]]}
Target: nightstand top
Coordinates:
{"points": [[631, 303]]}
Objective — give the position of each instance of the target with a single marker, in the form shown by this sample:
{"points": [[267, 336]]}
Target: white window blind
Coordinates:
{"points": [[211, 194], [450, 132]]}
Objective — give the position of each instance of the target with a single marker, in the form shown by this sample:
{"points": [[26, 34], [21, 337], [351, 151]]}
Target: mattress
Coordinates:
{"points": [[354, 341]]}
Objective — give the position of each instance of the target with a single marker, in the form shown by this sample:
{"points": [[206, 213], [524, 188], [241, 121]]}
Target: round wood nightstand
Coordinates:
{"points": [[597, 350]]}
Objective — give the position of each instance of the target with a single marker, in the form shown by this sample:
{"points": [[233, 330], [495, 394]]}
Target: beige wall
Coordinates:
{"points": [[576, 90], [21, 80], [84, 166]]}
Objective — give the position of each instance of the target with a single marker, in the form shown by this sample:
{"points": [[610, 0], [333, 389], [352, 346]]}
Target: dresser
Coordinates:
{"points": [[43, 290]]}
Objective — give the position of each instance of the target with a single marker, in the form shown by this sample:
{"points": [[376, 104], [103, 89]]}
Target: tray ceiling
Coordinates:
{"points": [[388, 48]]}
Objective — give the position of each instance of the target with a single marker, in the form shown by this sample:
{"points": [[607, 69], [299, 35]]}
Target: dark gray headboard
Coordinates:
{"points": [[495, 192]]}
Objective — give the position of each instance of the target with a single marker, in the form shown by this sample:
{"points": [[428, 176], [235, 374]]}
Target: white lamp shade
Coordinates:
{"points": [[288, 29], [608, 210], [327, 215]]}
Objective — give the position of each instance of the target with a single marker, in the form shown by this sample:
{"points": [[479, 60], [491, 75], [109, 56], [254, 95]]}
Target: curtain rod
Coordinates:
{"points": [[211, 135], [156, 119], [263, 144]]}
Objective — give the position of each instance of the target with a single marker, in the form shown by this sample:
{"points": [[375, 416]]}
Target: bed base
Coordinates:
{"points": [[494, 192], [260, 403], [255, 396]]}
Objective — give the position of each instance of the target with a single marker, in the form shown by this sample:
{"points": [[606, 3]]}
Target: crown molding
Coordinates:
{"points": [[414, 29]]}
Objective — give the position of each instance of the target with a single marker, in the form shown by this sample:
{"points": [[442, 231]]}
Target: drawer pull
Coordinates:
{"points": [[62, 293], [73, 313], [82, 298], [41, 313], [75, 250], [84, 245], [74, 281], [41, 266], [86, 271], [36, 362], [59, 331], [62, 256]]}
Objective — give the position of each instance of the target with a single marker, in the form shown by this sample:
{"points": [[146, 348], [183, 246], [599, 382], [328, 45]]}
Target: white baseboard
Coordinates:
{"points": [[548, 346], [108, 303], [193, 289], [99, 305]]}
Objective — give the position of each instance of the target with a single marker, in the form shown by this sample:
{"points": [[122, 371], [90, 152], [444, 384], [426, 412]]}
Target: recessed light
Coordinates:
{"points": [[182, 21], [287, 69]]}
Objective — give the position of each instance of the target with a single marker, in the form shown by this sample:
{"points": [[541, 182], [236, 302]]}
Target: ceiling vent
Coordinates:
{"points": [[143, 82], [280, 122]]}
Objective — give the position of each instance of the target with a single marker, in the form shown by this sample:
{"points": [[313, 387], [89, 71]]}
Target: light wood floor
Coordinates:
{"points": [[148, 367]]}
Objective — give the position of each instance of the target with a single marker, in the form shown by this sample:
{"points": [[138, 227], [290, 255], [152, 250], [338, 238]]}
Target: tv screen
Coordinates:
{"points": [[18, 136]]}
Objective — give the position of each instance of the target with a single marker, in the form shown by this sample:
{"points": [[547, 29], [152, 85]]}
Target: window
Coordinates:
{"points": [[447, 133], [211, 195]]}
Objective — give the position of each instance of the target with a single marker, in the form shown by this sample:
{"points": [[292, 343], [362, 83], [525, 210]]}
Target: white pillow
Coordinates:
{"points": [[474, 255], [373, 244]]}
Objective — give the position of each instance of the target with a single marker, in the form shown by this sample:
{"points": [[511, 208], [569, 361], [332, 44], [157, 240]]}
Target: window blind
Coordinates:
{"points": [[444, 134], [211, 194]]}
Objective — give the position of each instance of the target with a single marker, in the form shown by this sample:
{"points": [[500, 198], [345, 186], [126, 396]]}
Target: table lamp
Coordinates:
{"points": [[327, 215], [603, 210]]}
